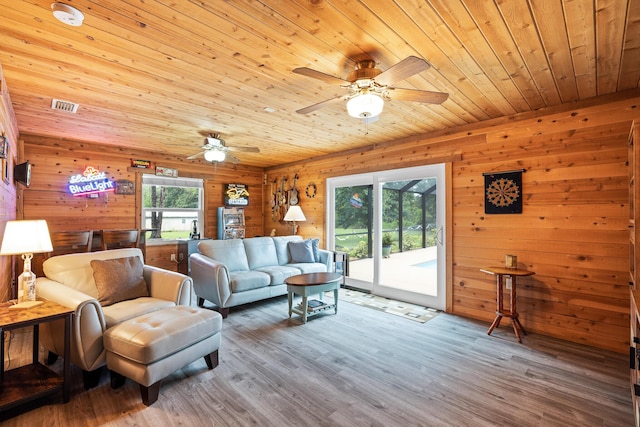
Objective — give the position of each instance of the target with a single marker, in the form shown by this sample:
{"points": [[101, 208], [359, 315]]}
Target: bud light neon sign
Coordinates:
{"points": [[91, 181]]}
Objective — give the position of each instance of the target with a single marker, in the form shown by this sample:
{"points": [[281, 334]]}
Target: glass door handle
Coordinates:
{"points": [[439, 236]]}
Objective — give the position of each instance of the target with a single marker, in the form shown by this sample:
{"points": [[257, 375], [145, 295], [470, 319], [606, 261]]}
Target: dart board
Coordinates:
{"points": [[503, 192]]}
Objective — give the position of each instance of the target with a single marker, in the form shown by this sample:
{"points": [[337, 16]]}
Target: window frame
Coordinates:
{"points": [[197, 183]]}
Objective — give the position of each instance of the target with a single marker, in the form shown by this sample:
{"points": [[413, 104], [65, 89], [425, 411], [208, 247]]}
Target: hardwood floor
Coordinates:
{"points": [[365, 368]]}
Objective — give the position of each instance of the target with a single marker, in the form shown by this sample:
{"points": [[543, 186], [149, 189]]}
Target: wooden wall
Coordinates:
{"points": [[54, 161], [572, 232], [9, 129], [573, 229]]}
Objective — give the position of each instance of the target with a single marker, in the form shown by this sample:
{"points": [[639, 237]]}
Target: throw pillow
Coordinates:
{"points": [[314, 247], [119, 279], [301, 251]]}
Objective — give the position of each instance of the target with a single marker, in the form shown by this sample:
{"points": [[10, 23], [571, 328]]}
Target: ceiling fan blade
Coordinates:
{"points": [[232, 159], [406, 68], [244, 149], [195, 156], [327, 78], [319, 105], [418, 95]]}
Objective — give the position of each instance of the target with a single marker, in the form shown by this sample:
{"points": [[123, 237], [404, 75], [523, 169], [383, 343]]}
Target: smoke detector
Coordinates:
{"points": [[67, 14]]}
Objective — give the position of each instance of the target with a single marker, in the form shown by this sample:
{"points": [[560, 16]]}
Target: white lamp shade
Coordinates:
{"points": [[26, 237], [214, 155], [294, 214], [365, 105]]}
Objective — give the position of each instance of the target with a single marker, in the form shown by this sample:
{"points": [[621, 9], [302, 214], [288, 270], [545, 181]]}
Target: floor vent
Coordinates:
{"points": [[70, 107]]}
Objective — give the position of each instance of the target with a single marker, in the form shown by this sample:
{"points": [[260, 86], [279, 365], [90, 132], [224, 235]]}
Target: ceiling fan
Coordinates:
{"points": [[216, 150], [368, 87]]}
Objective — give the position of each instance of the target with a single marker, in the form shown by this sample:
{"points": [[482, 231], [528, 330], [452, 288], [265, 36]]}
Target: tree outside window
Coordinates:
{"points": [[170, 205]]}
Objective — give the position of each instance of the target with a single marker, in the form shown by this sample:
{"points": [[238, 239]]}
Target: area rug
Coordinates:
{"points": [[408, 311]]}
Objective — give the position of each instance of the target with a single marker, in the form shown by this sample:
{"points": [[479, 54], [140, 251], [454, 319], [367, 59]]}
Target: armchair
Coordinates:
{"points": [[70, 282]]}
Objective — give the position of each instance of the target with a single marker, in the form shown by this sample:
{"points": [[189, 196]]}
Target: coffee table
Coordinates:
{"points": [[311, 284]]}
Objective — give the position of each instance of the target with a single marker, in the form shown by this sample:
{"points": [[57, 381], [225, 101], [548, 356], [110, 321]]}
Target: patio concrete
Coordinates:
{"points": [[401, 270]]}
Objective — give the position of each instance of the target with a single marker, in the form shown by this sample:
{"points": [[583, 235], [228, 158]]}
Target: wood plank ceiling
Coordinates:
{"points": [[152, 74]]}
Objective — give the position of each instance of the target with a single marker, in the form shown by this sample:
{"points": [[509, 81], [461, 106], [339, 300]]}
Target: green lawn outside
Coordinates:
{"points": [[354, 241]]}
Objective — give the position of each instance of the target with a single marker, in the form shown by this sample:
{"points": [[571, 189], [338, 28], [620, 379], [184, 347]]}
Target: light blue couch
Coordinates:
{"points": [[229, 273]]}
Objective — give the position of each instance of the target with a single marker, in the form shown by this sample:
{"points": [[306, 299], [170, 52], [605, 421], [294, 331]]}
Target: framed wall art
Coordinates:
{"points": [[4, 143], [124, 186], [503, 192], [5, 161]]}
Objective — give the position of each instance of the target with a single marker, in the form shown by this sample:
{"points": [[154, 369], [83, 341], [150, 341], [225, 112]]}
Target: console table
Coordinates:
{"points": [[30, 382], [501, 273]]}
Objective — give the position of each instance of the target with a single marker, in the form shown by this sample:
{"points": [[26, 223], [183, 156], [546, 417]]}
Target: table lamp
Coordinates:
{"points": [[294, 214], [26, 238]]}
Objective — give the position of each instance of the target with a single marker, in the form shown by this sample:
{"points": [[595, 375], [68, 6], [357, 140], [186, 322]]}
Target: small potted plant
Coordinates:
{"points": [[387, 241]]}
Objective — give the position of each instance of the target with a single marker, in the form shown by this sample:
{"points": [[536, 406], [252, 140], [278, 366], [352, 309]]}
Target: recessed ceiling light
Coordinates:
{"points": [[67, 14], [269, 110]]}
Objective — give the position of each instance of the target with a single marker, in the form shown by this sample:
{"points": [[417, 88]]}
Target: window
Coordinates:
{"points": [[171, 205]]}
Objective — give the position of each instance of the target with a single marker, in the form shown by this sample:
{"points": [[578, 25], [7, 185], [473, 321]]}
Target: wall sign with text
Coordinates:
{"points": [[90, 181], [236, 195]]}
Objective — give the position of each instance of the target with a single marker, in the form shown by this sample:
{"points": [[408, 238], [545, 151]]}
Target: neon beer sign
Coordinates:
{"points": [[91, 181]]}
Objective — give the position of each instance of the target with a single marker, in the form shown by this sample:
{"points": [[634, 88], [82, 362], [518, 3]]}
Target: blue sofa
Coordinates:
{"points": [[229, 273]]}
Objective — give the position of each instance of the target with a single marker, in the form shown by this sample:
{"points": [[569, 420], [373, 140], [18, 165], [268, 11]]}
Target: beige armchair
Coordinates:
{"points": [[70, 282]]}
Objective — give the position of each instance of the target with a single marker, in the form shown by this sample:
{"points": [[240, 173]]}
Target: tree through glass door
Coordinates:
{"points": [[409, 225], [404, 208], [353, 229]]}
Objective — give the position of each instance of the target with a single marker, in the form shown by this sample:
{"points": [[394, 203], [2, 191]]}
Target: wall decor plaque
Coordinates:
{"points": [[124, 186]]}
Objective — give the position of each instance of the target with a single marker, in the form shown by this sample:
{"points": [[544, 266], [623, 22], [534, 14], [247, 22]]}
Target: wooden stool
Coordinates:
{"points": [[500, 273]]}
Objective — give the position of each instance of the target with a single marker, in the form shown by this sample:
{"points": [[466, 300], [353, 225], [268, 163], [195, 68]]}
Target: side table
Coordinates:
{"points": [[30, 382], [312, 284], [500, 273]]}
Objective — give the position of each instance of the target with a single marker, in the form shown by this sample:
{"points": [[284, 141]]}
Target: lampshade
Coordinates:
{"points": [[26, 237], [294, 214], [365, 105], [214, 155]]}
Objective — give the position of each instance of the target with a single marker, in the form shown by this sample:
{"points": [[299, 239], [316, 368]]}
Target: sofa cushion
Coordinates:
{"points": [[278, 273], [119, 279], [247, 280], [315, 243], [281, 247], [261, 252], [231, 253], [301, 251], [125, 310], [309, 267], [74, 270]]}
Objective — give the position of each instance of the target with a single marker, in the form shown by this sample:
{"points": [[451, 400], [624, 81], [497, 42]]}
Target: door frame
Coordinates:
{"points": [[444, 299]]}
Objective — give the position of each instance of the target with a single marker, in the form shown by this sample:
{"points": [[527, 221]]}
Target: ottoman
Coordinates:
{"points": [[148, 348]]}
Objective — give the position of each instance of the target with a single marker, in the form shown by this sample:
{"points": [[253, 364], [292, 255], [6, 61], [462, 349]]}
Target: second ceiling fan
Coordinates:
{"points": [[216, 150], [368, 87]]}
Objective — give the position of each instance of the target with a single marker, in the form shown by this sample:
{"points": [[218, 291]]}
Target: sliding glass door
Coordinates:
{"points": [[402, 207]]}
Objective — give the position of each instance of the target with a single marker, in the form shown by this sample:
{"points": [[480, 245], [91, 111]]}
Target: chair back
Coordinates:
{"points": [[117, 239], [69, 242]]}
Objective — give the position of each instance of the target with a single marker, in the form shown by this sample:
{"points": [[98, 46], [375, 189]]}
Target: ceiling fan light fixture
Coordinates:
{"points": [[214, 155], [365, 105]]}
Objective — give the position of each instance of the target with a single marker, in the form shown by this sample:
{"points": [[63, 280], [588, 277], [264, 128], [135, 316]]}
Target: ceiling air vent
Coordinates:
{"points": [[69, 107]]}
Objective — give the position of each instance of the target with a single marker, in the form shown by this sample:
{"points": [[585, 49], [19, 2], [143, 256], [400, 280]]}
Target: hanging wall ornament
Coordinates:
{"points": [[311, 190]]}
